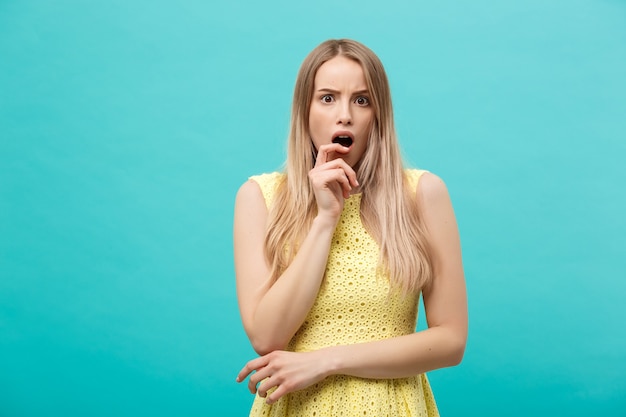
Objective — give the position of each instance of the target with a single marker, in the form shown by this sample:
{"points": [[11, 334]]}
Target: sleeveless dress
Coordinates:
{"points": [[352, 306]]}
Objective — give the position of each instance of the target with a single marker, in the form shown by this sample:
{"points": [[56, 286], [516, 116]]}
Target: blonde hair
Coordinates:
{"points": [[389, 208]]}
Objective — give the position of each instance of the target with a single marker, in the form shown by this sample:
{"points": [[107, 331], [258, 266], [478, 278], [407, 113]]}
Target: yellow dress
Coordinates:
{"points": [[352, 306]]}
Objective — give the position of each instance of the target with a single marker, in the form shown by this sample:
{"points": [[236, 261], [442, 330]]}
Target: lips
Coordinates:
{"points": [[344, 139]]}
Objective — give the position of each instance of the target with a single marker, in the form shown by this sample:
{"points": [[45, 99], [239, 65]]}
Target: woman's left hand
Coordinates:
{"points": [[287, 371]]}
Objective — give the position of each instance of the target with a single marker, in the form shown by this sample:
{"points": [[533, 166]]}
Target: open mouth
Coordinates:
{"points": [[345, 141]]}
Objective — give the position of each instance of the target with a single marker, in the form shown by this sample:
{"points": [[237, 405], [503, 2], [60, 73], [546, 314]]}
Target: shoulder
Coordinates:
{"points": [[413, 176], [431, 185], [429, 188], [423, 181], [264, 185], [434, 202]]}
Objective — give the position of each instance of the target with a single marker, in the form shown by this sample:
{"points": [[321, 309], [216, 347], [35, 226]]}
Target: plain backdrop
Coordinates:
{"points": [[126, 128]]}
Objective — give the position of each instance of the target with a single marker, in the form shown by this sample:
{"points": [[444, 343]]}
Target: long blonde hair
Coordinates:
{"points": [[389, 208]]}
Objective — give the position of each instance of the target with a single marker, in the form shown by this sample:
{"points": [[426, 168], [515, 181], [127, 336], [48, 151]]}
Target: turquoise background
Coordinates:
{"points": [[126, 128]]}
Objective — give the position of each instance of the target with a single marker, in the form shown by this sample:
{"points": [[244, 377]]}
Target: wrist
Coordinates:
{"points": [[325, 221], [331, 360]]}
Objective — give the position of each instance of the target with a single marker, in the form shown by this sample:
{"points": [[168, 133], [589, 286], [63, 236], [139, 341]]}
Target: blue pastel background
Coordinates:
{"points": [[126, 128]]}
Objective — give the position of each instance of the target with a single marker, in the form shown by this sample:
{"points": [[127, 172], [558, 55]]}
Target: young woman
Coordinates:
{"points": [[332, 254]]}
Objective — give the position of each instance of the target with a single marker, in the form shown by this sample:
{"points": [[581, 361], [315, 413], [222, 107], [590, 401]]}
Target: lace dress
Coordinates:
{"points": [[352, 306]]}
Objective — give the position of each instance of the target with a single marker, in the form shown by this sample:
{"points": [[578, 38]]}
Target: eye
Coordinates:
{"points": [[327, 98], [362, 101]]}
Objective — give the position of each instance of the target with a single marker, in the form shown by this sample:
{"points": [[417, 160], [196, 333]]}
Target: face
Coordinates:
{"points": [[340, 108]]}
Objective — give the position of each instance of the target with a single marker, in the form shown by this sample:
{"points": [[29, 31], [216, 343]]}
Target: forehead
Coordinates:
{"points": [[340, 72]]}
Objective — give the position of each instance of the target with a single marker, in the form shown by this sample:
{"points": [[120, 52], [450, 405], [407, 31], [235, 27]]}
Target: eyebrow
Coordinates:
{"points": [[330, 90]]}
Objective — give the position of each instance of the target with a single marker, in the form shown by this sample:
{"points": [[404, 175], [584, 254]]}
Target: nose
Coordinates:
{"points": [[344, 115]]}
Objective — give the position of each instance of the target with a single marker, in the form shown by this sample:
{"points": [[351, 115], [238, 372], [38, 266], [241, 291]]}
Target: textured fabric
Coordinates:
{"points": [[353, 306]]}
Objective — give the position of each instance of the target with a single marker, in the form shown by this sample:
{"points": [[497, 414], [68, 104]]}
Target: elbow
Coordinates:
{"points": [[262, 350], [262, 346], [456, 352], [264, 340]]}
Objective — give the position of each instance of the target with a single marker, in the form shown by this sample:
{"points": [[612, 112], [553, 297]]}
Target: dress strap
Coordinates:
{"points": [[268, 184], [413, 176]]}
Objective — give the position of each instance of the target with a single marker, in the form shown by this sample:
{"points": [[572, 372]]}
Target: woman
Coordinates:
{"points": [[332, 255]]}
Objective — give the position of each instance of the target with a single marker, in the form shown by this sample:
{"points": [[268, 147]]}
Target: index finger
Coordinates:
{"points": [[252, 365], [325, 150]]}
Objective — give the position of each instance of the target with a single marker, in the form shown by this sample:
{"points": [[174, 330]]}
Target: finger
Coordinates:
{"points": [[351, 174], [334, 147], [325, 150], [243, 374], [335, 180], [322, 156], [277, 394], [266, 385], [251, 366], [323, 177], [245, 371], [344, 182], [349, 171], [252, 385], [260, 375]]}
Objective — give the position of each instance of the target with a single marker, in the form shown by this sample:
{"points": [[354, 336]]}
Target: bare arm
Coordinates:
{"points": [[272, 313], [445, 302], [441, 345]]}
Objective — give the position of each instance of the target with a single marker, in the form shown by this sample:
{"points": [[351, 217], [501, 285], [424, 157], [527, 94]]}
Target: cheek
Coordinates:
{"points": [[314, 135], [316, 126]]}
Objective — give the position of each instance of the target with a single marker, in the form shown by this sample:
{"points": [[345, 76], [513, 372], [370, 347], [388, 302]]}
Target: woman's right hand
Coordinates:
{"points": [[332, 180]]}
